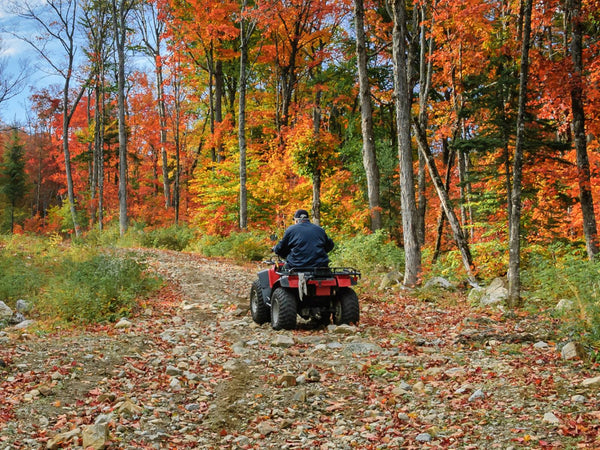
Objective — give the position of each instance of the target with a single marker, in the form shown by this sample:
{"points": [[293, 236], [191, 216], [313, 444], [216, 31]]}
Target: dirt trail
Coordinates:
{"points": [[196, 372]]}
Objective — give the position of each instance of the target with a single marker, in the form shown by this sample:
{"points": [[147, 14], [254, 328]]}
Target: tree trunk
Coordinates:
{"points": [[177, 142], [67, 155], [421, 200], [442, 215], [162, 119], [245, 31], [514, 275], [366, 112], [219, 104], [120, 11], [316, 175], [98, 126], [316, 201], [457, 231], [466, 214], [425, 74], [590, 230], [412, 250], [12, 217]]}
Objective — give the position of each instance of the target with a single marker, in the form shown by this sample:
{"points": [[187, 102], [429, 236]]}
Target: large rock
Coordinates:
{"points": [[23, 306], [24, 324], [551, 418], [123, 323], [360, 348], [286, 380], [283, 340], [61, 439], [391, 279], [5, 312], [573, 350], [591, 382], [495, 293], [475, 295], [95, 436], [439, 282]]}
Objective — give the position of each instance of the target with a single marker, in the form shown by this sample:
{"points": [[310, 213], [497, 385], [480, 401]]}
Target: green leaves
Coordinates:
{"points": [[12, 175]]}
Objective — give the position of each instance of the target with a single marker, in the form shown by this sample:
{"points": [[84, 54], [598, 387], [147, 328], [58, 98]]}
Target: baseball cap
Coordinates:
{"points": [[301, 214]]}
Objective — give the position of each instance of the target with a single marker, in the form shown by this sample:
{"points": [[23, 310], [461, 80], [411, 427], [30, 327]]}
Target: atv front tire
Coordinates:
{"points": [[283, 310], [261, 313], [346, 309]]}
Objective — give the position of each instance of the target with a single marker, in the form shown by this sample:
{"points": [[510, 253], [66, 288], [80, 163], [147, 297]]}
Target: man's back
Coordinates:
{"points": [[305, 245]]}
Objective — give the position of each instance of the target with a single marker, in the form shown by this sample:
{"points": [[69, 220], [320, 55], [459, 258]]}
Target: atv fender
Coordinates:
{"points": [[266, 284]]}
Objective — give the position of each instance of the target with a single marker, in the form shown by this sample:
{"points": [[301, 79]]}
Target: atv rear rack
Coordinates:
{"points": [[318, 272]]}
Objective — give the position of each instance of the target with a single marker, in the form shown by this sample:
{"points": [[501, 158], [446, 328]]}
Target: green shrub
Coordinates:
{"points": [[448, 265], [242, 246], [61, 216], [558, 272], [172, 238], [370, 253], [491, 261], [70, 282], [108, 237], [99, 289], [19, 277]]}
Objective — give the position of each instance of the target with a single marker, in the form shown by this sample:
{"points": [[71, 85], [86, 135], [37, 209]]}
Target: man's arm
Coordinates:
{"points": [[328, 244], [282, 248]]}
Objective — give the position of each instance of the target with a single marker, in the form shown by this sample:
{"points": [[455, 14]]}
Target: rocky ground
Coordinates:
{"points": [[193, 371]]}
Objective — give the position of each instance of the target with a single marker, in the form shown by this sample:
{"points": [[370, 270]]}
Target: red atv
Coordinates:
{"points": [[318, 293]]}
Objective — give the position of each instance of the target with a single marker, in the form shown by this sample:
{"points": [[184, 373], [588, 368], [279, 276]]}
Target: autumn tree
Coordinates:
{"points": [[43, 171], [152, 29], [402, 95], [292, 29], [577, 108], [97, 21], [57, 22], [366, 111], [121, 10], [514, 277], [247, 27], [206, 40]]}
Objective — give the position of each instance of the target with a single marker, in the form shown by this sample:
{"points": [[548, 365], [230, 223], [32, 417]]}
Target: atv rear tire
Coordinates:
{"points": [[283, 310], [261, 313], [346, 309]]}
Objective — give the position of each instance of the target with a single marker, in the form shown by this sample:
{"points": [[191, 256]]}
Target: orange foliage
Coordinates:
{"points": [[302, 48]]}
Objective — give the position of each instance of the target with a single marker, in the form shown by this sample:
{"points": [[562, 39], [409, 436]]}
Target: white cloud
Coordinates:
{"points": [[12, 47]]}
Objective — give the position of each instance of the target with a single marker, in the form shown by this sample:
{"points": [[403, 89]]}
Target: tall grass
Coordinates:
{"points": [[370, 253], [69, 282], [242, 246], [562, 271]]}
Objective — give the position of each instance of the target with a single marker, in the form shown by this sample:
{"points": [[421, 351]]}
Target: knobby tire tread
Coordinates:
{"points": [[350, 307], [286, 301], [261, 313]]}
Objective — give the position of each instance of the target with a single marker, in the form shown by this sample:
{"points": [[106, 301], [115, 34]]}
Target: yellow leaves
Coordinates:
{"points": [[310, 151]]}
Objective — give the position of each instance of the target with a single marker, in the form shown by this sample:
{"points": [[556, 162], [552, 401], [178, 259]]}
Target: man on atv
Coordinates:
{"points": [[304, 244]]}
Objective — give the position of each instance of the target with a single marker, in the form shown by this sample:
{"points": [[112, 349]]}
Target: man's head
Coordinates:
{"points": [[300, 216]]}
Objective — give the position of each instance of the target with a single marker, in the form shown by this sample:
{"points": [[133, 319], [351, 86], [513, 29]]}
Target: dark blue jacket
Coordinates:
{"points": [[305, 245]]}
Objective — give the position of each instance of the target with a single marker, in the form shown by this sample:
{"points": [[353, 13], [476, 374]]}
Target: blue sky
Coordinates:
{"points": [[20, 56], [15, 53]]}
